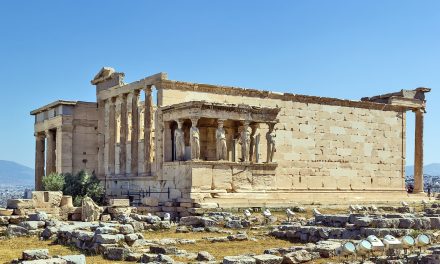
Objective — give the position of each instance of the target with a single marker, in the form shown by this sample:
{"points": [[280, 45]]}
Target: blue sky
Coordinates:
{"points": [[51, 50]]}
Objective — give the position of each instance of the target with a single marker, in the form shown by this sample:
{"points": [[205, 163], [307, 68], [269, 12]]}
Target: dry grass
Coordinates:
{"points": [[221, 249], [12, 248]]}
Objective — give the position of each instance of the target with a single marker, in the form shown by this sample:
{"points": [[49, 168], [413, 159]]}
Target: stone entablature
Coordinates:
{"points": [[218, 110]]}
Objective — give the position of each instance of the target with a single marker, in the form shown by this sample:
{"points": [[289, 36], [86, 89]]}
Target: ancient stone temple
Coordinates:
{"points": [[231, 146]]}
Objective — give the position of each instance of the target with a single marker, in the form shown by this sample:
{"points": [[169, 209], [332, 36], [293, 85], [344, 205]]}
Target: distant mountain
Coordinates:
{"points": [[12, 173], [432, 169]]}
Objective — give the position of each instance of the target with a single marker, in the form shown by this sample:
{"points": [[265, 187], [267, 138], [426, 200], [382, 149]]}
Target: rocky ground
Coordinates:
{"points": [[308, 236]]}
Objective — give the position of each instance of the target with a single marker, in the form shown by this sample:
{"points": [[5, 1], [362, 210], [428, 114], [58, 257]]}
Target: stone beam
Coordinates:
{"points": [[128, 88]]}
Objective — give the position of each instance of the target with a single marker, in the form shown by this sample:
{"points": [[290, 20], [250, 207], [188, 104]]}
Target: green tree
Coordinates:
{"points": [[83, 184], [53, 182]]}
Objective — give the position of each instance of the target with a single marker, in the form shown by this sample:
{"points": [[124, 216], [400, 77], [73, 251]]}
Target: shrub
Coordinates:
{"points": [[83, 184], [53, 182]]}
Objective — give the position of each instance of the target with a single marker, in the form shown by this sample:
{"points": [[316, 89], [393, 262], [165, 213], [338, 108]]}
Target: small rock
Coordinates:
{"points": [[204, 256], [182, 229], [295, 257], [115, 253], [40, 216], [126, 229]]}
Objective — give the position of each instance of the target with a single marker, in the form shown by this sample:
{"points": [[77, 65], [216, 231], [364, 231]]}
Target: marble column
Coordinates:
{"points": [[123, 135], [418, 152], [134, 132], [39, 161], [148, 118], [111, 135], [50, 152]]}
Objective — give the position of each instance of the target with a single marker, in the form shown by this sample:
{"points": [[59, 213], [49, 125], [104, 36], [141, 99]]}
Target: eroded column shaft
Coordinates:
{"points": [[147, 130], [123, 136], [134, 133], [39, 161], [50, 152], [112, 137], [418, 152]]}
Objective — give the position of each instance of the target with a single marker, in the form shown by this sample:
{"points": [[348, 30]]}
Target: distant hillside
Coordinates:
{"points": [[12, 173], [430, 169]]}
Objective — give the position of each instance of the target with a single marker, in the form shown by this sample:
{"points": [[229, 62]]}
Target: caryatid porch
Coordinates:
{"points": [[200, 130], [205, 144]]}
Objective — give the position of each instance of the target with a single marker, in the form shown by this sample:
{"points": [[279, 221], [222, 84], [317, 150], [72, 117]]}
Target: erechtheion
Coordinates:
{"points": [[231, 146]]}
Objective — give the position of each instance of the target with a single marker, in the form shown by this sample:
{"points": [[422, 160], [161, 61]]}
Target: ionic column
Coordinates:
{"points": [[50, 152], [112, 137], [418, 152], [134, 133], [123, 136], [39, 161], [148, 118]]}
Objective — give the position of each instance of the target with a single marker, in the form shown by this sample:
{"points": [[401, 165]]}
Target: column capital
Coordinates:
{"points": [[136, 92], [40, 135], [48, 133], [148, 88], [194, 120], [220, 121]]}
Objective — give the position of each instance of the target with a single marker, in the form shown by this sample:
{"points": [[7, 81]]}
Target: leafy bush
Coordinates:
{"points": [[53, 182], [83, 184]]}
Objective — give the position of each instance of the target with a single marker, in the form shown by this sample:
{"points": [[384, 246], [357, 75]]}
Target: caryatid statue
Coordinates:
{"points": [[220, 135], [179, 141], [271, 147], [195, 139], [245, 142], [253, 143]]}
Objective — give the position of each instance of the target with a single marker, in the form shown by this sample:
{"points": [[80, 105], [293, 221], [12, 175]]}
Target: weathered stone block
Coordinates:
{"points": [[20, 204], [119, 202]]}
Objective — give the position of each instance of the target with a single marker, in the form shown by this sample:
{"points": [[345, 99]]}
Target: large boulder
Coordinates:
{"points": [[90, 210], [268, 259], [238, 260], [108, 239], [116, 211], [198, 221], [115, 253], [150, 201], [33, 254], [126, 229], [74, 259], [39, 216], [14, 230], [299, 256], [32, 225], [20, 204]]}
